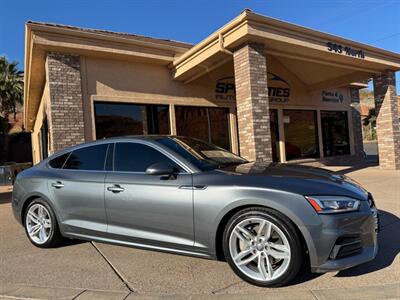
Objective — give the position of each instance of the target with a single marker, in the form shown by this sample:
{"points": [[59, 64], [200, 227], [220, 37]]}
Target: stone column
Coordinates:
{"points": [[252, 102], [65, 111], [388, 128], [356, 120]]}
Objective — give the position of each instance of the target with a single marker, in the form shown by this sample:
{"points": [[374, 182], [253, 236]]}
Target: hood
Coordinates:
{"points": [[299, 179]]}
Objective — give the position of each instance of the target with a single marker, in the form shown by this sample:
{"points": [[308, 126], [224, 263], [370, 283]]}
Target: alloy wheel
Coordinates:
{"points": [[38, 223], [259, 249]]}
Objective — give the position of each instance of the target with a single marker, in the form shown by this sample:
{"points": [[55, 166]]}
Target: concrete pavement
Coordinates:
{"points": [[78, 269]]}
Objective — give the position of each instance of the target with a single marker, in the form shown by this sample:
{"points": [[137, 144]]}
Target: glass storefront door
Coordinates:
{"points": [[301, 134], [121, 119], [208, 124], [335, 133]]}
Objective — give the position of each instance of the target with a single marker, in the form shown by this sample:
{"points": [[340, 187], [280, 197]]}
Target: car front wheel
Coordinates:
{"points": [[262, 247], [41, 225]]}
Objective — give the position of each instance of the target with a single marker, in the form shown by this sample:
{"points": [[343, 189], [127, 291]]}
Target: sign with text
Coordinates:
{"points": [[332, 96], [278, 89], [347, 50]]}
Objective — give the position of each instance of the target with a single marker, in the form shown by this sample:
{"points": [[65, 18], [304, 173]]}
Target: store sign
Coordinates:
{"points": [[332, 96], [337, 48], [278, 91], [225, 89]]}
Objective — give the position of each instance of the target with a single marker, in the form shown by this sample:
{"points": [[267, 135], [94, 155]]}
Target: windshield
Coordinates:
{"points": [[203, 155]]}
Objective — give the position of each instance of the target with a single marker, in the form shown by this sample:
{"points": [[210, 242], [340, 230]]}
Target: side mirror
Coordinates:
{"points": [[160, 169]]}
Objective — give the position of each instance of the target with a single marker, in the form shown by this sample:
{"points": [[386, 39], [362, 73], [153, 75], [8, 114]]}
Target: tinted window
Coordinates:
{"points": [[335, 133], [89, 158], [121, 119], [207, 124], [133, 157], [301, 134], [58, 162]]}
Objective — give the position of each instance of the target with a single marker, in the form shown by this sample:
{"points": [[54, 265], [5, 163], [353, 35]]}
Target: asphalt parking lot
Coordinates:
{"points": [[82, 269]]}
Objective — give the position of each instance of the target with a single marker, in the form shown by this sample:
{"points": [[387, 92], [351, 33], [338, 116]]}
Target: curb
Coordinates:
{"points": [[387, 291]]}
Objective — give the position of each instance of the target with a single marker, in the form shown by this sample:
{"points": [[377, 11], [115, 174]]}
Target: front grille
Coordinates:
{"points": [[346, 246]]}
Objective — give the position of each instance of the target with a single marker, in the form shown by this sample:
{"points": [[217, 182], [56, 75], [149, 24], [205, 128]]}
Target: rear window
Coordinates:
{"points": [[58, 162], [88, 158]]}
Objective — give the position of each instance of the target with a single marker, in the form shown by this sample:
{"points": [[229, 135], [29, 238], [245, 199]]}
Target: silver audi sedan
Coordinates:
{"points": [[185, 196]]}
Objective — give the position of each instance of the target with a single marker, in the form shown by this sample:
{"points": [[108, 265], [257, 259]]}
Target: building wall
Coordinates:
{"points": [[96, 79], [35, 135]]}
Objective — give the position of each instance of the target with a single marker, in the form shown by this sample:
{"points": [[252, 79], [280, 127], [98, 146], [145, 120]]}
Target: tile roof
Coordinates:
{"points": [[116, 34]]}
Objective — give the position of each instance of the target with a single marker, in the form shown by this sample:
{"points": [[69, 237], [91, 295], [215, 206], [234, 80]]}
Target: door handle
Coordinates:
{"points": [[116, 188], [57, 184]]}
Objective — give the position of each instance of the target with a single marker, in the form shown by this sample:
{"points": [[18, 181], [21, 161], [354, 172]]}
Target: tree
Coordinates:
{"points": [[370, 121], [11, 87]]}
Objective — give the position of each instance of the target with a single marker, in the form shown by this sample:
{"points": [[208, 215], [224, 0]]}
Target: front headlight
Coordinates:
{"points": [[333, 204]]}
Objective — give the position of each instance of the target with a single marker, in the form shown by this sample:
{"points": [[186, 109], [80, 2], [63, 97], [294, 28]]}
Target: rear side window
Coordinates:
{"points": [[88, 158], [133, 157], [58, 162]]}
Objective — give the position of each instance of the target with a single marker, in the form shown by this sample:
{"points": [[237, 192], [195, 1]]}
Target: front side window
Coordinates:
{"points": [[135, 157], [122, 119], [88, 158]]}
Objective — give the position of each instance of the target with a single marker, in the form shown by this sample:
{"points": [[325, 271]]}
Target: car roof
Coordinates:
{"points": [[114, 139]]}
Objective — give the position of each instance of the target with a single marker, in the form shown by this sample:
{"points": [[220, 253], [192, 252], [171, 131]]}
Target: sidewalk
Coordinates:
{"points": [[389, 291]]}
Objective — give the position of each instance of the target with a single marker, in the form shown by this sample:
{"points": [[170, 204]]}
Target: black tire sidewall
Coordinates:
{"points": [[290, 233], [54, 235]]}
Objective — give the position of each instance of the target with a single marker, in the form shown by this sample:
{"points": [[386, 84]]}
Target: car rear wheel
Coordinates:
{"points": [[41, 225], [262, 247]]}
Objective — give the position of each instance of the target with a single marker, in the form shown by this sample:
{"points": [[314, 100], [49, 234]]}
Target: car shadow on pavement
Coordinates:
{"points": [[389, 247], [71, 242]]}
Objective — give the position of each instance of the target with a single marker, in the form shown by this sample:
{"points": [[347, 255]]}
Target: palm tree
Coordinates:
{"points": [[11, 87], [11, 94]]}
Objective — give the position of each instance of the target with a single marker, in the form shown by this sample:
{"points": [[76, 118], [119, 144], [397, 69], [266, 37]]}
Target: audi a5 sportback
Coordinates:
{"points": [[185, 196]]}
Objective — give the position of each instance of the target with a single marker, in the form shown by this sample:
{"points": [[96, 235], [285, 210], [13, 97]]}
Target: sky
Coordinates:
{"points": [[374, 22]]}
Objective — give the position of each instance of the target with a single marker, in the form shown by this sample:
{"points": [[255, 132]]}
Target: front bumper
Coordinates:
{"points": [[357, 231]]}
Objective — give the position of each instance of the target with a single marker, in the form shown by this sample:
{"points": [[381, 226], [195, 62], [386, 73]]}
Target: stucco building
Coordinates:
{"points": [[267, 89]]}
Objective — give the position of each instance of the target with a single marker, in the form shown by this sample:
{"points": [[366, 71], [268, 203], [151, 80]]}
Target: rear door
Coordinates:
{"points": [[145, 208], [77, 189]]}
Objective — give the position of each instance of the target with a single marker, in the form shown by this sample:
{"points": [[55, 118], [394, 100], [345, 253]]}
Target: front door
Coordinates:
{"points": [[335, 133], [148, 209]]}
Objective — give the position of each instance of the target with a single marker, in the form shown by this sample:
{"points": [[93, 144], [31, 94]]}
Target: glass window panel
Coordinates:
{"points": [[335, 133], [158, 119], [208, 124], [88, 158], [118, 119], [134, 157], [58, 162], [219, 127], [121, 119], [301, 137], [192, 122], [274, 133]]}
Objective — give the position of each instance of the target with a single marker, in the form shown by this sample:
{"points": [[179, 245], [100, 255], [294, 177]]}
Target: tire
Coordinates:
{"points": [[42, 216], [275, 249]]}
